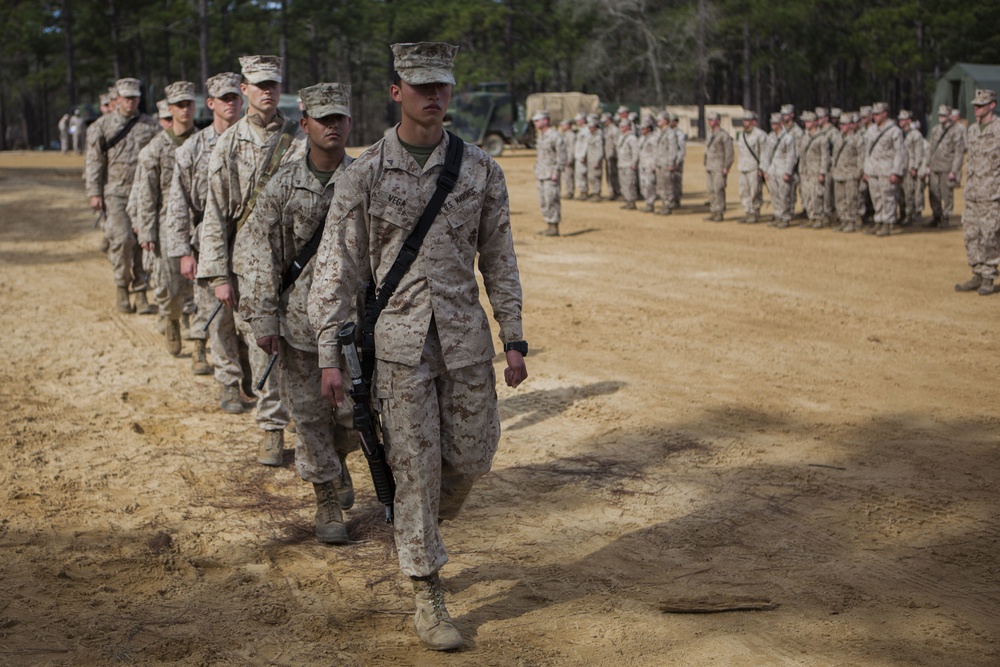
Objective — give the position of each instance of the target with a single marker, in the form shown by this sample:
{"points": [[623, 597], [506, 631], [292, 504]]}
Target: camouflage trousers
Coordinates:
{"points": [[548, 200], [224, 343], [942, 195], [580, 176], [883, 192], [611, 167], [665, 188], [204, 304], [271, 412], [911, 197], [441, 429], [813, 196], [594, 172], [829, 206], [847, 197], [791, 194], [981, 223], [321, 431], [629, 183], [678, 176], [716, 191], [751, 191], [123, 247], [172, 292], [647, 185], [567, 177], [779, 197]]}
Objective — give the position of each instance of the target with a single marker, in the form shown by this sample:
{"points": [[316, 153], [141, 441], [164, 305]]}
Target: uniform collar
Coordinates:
{"points": [[304, 178], [397, 157]]}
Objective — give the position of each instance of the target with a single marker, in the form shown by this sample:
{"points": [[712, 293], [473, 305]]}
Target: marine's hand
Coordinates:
{"points": [[516, 370], [269, 344], [226, 294], [332, 386], [97, 203], [189, 267], [148, 246]]}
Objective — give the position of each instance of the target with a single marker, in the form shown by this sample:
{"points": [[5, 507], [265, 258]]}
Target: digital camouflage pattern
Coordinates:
{"points": [[648, 144], [814, 160], [751, 149], [719, 157], [981, 218], [628, 166], [551, 156], [595, 160]]}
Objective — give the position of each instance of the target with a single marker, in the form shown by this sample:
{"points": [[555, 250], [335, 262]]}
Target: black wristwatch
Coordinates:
{"points": [[517, 345]]}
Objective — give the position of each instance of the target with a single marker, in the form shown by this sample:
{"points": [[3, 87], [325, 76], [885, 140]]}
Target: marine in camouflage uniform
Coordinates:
{"points": [[832, 136], [628, 164], [847, 169], [885, 163], [814, 167], [666, 158], [580, 148], [677, 170], [648, 144], [151, 187], [185, 211], [751, 142], [947, 152], [240, 156], [551, 156], [611, 135], [109, 175], [569, 139], [435, 378], [981, 217], [718, 160], [290, 210], [788, 118], [595, 158], [911, 201], [780, 172]]}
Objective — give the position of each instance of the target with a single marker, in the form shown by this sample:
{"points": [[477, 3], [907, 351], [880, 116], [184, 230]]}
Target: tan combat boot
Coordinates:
{"points": [[230, 400], [330, 528], [173, 336], [122, 303], [344, 484], [987, 287], [971, 284], [271, 451], [142, 305], [199, 364], [551, 229], [433, 624], [185, 326]]}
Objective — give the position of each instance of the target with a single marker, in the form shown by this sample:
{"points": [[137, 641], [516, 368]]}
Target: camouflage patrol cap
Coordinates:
{"points": [[787, 109], [984, 96], [222, 84], [713, 115], [749, 114], [904, 115], [540, 115], [835, 112], [424, 62], [162, 111], [128, 87], [865, 111], [105, 99], [580, 118], [956, 112], [622, 109], [326, 99], [821, 112], [605, 117], [112, 93], [880, 107], [258, 69], [565, 124], [944, 110], [808, 116], [775, 118], [647, 122], [674, 116], [179, 91], [663, 115], [625, 124]]}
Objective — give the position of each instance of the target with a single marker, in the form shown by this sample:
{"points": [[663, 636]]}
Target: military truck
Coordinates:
{"points": [[561, 106], [487, 117]]}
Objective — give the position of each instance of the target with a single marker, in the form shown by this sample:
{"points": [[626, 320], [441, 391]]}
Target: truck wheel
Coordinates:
{"points": [[493, 144]]}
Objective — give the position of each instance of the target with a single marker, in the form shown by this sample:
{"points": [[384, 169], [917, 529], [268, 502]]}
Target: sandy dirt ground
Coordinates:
{"points": [[797, 423]]}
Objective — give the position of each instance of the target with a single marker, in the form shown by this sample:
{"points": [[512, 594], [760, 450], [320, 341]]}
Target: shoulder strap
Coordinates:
{"points": [[881, 134], [747, 144], [376, 300], [122, 133], [941, 138], [274, 159]]}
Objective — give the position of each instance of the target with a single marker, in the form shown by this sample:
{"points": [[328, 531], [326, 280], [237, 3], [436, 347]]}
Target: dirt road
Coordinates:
{"points": [[718, 416]]}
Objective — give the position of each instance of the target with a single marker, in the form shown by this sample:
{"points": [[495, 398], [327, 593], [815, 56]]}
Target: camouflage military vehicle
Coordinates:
{"points": [[560, 106], [487, 117]]}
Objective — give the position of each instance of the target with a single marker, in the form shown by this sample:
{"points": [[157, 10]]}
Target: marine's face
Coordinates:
{"points": [[128, 105], [182, 112], [984, 110], [227, 107], [425, 104], [328, 133], [262, 97]]}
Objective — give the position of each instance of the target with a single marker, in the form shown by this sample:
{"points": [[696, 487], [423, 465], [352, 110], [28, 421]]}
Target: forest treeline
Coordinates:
{"points": [[58, 53]]}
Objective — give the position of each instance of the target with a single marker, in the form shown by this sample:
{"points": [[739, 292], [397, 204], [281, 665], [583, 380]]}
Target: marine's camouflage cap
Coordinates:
{"points": [[956, 112], [855, 117], [112, 93], [622, 109], [674, 116], [540, 115], [580, 118], [605, 117], [904, 115], [835, 112], [418, 63], [944, 110], [625, 124], [749, 114], [258, 69], [880, 107], [128, 87], [648, 122], [821, 112], [326, 99], [713, 115], [663, 115], [105, 99], [161, 109], [179, 91], [222, 84], [865, 111], [808, 116], [775, 118], [787, 109], [984, 96]]}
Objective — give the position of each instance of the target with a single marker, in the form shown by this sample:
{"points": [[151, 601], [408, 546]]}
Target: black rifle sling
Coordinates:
{"points": [[871, 149], [941, 138], [122, 133], [745, 143], [298, 264], [374, 303]]}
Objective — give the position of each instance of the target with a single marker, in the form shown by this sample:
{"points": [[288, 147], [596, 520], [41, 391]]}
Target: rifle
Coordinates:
{"points": [[366, 423], [100, 216], [211, 317], [267, 371]]}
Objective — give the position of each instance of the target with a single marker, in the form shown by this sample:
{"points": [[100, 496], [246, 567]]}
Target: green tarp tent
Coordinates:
{"points": [[958, 86]]}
